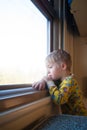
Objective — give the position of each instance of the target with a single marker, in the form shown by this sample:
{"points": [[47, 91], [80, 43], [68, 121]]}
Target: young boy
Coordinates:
{"points": [[67, 94]]}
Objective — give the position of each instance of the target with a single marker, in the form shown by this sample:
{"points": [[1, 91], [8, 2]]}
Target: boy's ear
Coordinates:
{"points": [[64, 66]]}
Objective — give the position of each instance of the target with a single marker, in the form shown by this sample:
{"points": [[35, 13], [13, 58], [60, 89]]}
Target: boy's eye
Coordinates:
{"points": [[50, 67]]}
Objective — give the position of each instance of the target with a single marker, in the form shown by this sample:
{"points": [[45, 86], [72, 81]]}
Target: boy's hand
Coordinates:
{"points": [[40, 85]]}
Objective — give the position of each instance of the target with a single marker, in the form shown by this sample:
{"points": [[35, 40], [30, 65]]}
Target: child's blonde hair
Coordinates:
{"points": [[59, 56]]}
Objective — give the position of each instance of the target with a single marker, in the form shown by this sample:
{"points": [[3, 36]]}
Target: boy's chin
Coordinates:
{"points": [[53, 79]]}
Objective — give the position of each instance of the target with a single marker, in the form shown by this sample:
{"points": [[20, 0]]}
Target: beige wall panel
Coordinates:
{"points": [[68, 42], [80, 60]]}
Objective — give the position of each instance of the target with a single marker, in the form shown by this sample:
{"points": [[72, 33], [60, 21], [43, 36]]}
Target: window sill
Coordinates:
{"points": [[22, 105]]}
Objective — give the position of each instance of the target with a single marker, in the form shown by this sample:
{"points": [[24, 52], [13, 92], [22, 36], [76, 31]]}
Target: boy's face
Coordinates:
{"points": [[54, 71]]}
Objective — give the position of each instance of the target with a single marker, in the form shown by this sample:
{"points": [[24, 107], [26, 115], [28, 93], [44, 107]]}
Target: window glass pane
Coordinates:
{"points": [[23, 42]]}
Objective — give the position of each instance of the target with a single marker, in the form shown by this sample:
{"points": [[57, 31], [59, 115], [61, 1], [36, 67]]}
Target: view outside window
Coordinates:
{"points": [[23, 42]]}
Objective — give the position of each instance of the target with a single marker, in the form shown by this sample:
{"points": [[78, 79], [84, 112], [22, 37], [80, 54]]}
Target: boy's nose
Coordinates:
{"points": [[48, 72]]}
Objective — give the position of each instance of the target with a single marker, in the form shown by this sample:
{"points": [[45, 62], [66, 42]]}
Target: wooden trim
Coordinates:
{"points": [[12, 98], [21, 117], [21, 105]]}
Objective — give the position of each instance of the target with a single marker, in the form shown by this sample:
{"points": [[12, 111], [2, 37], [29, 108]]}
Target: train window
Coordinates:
{"points": [[23, 42]]}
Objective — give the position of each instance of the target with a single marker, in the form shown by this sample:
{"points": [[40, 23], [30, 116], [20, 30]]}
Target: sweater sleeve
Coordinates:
{"points": [[61, 95]]}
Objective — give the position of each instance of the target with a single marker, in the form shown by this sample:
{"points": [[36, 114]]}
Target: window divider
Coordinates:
{"points": [[45, 7]]}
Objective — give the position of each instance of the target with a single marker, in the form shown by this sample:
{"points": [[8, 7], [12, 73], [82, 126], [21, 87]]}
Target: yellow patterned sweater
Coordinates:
{"points": [[68, 96]]}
